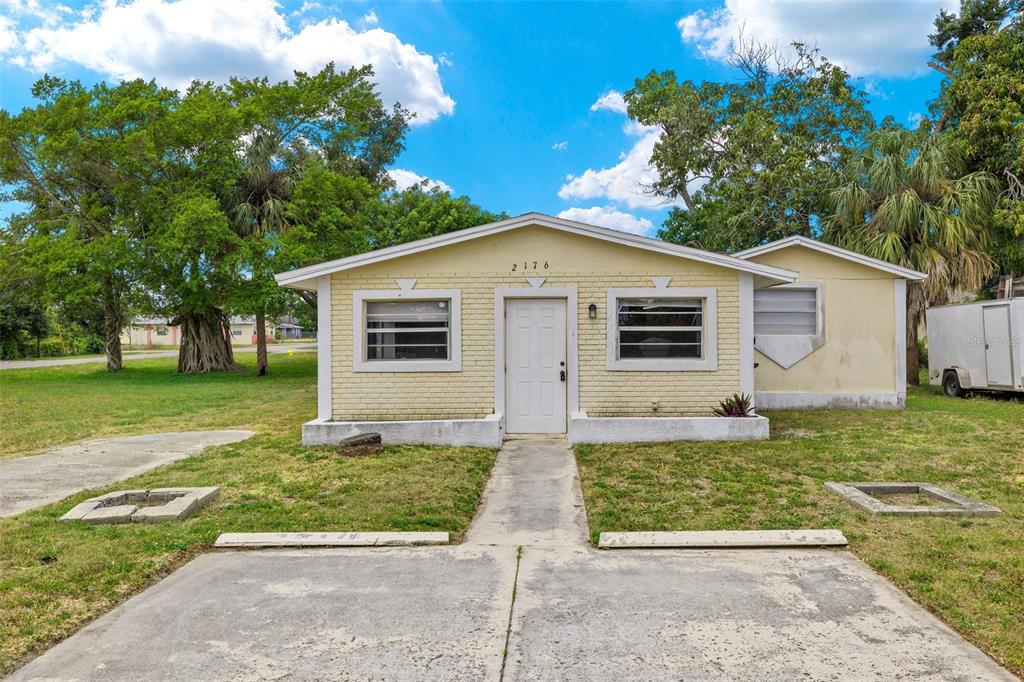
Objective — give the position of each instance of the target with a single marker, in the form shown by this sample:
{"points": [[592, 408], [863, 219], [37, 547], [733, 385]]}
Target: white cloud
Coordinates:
{"points": [[404, 179], [878, 37], [560, 146], [914, 118], [610, 101], [609, 216], [370, 18], [176, 41], [8, 37], [627, 181]]}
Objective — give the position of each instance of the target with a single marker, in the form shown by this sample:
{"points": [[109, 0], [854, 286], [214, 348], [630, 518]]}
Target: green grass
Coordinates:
{"points": [[968, 572], [56, 576]]}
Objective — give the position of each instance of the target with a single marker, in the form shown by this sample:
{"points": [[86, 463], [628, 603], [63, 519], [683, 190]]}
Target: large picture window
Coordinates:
{"points": [[407, 331], [662, 329]]}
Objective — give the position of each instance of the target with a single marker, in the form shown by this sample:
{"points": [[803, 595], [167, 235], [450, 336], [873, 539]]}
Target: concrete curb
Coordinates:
{"points": [[227, 540], [719, 539]]}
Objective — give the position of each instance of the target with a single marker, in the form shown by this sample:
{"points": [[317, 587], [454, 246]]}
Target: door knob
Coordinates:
{"points": [[562, 374]]}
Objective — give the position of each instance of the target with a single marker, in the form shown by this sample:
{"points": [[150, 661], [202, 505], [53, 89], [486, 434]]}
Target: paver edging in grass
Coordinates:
{"points": [[859, 495], [348, 539], [722, 539]]}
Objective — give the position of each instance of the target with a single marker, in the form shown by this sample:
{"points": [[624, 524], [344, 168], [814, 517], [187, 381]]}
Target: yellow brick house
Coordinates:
{"points": [[535, 324]]}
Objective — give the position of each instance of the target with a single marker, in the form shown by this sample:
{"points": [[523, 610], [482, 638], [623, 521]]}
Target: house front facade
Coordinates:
{"points": [[535, 325]]}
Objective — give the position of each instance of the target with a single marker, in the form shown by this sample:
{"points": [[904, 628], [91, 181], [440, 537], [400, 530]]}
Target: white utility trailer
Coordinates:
{"points": [[977, 346]]}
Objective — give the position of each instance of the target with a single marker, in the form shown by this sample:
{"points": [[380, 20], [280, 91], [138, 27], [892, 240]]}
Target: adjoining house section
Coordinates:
{"points": [[836, 337], [542, 325]]}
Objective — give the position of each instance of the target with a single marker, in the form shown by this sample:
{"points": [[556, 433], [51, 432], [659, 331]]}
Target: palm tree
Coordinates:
{"points": [[256, 207], [907, 199]]}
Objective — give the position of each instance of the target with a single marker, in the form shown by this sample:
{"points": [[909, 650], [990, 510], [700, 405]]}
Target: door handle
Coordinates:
{"points": [[562, 375]]}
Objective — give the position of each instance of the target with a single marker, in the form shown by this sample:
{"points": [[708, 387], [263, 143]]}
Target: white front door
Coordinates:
{"points": [[535, 365], [998, 350]]}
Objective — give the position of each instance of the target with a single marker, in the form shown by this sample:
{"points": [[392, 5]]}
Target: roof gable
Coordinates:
{"points": [[302, 277], [831, 250]]}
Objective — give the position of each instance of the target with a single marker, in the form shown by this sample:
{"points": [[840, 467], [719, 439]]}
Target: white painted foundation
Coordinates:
{"points": [[584, 429], [767, 400], [484, 433]]}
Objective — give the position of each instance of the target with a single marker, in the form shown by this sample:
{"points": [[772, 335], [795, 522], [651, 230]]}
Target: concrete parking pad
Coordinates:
{"points": [[356, 614], [35, 480], [725, 615], [428, 613]]}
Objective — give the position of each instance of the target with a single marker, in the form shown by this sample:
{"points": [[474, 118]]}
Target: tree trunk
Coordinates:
{"points": [[261, 344], [913, 361], [112, 326], [205, 343]]}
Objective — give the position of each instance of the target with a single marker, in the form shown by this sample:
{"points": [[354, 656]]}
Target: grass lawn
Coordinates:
{"points": [[970, 572], [55, 576]]}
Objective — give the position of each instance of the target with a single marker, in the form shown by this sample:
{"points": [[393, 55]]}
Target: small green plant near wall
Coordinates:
{"points": [[736, 405]]}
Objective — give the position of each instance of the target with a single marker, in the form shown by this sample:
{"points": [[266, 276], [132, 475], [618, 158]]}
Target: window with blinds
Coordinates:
{"points": [[408, 330], [786, 312], [660, 328]]}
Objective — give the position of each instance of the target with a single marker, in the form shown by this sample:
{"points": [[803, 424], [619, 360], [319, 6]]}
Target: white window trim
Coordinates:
{"points": [[786, 350], [709, 335], [362, 297]]}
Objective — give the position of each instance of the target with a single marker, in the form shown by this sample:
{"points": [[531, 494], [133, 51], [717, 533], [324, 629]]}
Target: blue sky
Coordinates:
{"points": [[517, 104]]}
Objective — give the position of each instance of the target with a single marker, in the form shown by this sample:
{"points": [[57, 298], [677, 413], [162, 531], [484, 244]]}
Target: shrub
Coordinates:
{"points": [[736, 405]]}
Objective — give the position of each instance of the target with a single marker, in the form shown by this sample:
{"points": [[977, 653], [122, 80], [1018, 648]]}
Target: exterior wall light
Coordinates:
{"points": [[592, 311]]}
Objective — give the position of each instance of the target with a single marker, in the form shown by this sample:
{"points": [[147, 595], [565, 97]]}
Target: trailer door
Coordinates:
{"points": [[998, 349]]}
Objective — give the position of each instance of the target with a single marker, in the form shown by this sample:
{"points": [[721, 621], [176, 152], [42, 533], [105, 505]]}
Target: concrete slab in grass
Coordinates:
{"points": [[720, 539], [329, 539], [861, 495]]}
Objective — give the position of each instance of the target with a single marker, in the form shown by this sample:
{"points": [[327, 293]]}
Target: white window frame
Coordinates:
{"points": [[362, 297], [786, 350], [708, 362]]}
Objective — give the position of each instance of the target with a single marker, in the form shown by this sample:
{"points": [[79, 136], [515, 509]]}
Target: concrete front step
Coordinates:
{"points": [[718, 539]]}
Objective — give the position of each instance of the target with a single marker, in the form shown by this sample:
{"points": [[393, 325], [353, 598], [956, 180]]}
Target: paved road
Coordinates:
{"points": [[127, 356], [525, 579], [35, 480]]}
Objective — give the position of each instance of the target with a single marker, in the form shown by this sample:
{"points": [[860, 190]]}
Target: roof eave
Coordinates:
{"points": [[867, 261], [304, 278]]}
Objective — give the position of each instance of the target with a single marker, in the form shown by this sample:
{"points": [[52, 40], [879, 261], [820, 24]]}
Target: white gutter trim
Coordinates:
{"points": [[298, 278], [798, 240]]}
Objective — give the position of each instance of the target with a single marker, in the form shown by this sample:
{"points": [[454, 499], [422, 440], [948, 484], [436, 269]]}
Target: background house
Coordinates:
{"points": [[157, 331]]}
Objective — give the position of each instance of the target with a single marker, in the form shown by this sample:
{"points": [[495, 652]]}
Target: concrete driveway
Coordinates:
{"points": [[275, 349], [525, 583]]}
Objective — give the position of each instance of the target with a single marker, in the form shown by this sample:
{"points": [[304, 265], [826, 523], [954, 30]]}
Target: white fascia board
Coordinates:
{"points": [[300, 278], [797, 240]]}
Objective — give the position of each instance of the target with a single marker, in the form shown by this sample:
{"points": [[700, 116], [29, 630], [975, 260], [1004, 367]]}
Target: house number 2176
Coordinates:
{"points": [[530, 265]]}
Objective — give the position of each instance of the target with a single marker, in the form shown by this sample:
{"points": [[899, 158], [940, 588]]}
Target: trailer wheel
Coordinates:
{"points": [[951, 385]]}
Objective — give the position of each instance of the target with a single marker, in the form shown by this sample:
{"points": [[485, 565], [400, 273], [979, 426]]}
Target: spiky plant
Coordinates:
{"points": [[907, 199], [736, 405]]}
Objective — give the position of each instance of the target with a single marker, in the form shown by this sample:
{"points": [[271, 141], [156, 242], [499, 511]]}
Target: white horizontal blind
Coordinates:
{"points": [[408, 330], [792, 312], [660, 328]]}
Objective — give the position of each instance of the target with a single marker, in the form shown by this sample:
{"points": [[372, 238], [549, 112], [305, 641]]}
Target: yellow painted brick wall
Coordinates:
{"points": [[480, 266]]}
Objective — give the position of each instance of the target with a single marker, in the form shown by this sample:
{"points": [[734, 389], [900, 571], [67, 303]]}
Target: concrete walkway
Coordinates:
{"points": [[524, 598], [35, 480], [275, 349]]}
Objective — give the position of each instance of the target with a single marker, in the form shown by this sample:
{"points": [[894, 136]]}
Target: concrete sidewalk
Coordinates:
{"points": [[34, 480], [526, 583], [275, 349]]}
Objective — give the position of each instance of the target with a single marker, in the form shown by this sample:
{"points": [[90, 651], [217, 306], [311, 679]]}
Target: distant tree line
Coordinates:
{"points": [[147, 200], [789, 147]]}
